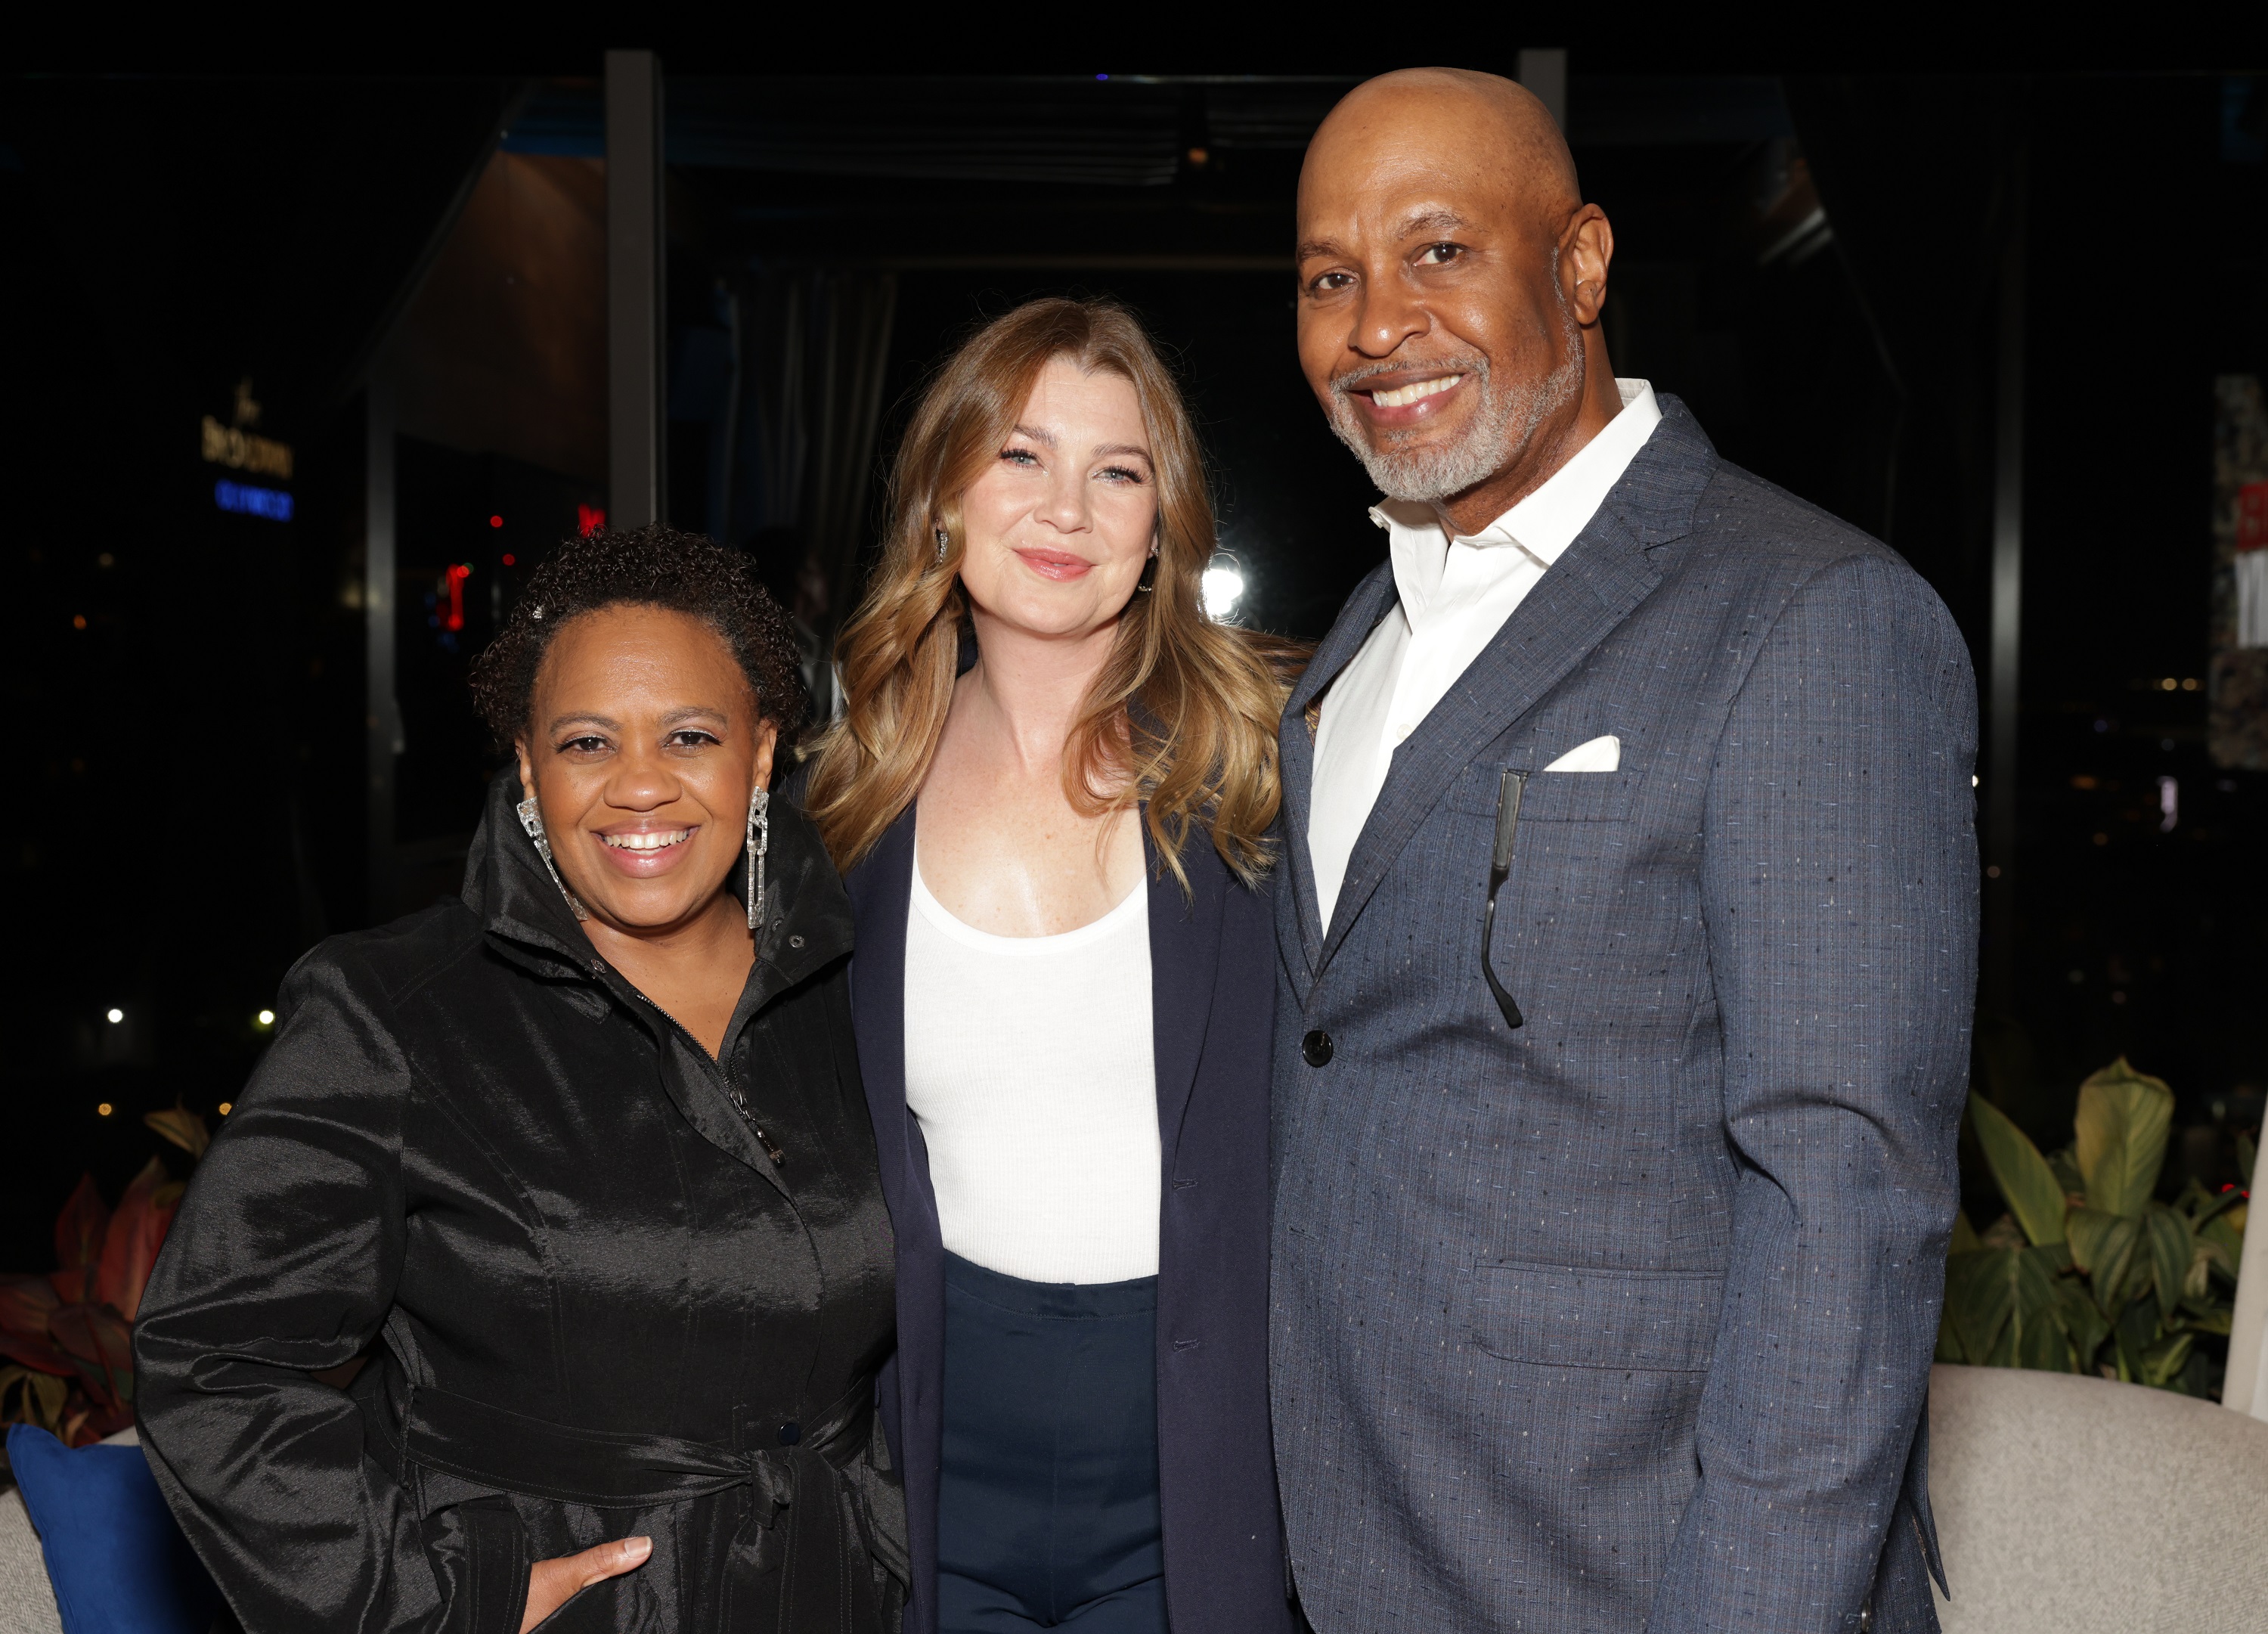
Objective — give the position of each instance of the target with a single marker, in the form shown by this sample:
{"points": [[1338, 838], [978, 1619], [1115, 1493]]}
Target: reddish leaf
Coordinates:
{"points": [[70, 1286], [37, 1354], [184, 1127], [80, 1226], [102, 1422], [97, 1338], [26, 1304], [130, 1246]]}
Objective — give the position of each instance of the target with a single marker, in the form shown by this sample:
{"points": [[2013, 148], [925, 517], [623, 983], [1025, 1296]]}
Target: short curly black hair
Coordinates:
{"points": [[651, 566]]}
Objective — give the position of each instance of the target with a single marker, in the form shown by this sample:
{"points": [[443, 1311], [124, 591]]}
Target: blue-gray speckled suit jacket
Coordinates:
{"points": [[1623, 1318]]}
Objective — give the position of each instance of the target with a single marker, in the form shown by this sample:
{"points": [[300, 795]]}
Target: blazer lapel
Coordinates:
{"points": [[881, 891], [1592, 588], [1371, 602], [1184, 958]]}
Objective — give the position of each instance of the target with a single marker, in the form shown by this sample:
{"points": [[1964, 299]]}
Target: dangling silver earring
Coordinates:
{"points": [[531, 818], [943, 540], [760, 841]]}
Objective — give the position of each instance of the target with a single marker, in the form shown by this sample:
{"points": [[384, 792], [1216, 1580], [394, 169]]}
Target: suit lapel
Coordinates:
{"points": [[1371, 600], [1595, 583], [1592, 588], [1184, 958]]}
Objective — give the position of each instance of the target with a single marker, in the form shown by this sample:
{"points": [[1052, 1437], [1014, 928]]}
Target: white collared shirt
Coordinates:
{"points": [[1456, 591]]}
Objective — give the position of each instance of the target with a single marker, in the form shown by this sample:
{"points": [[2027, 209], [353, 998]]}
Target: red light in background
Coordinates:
{"points": [[508, 558], [495, 521], [589, 519], [459, 572]]}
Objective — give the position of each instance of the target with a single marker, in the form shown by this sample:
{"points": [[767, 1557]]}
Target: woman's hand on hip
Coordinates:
{"points": [[551, 1584]]}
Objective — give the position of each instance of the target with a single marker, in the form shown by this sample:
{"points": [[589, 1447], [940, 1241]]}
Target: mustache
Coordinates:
{"points": [[1353, 380]]}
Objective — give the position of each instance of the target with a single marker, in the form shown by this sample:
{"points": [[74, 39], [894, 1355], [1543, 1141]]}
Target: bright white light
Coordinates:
{"points": [[267, 1017], [114, 1016], [1224, 588]]}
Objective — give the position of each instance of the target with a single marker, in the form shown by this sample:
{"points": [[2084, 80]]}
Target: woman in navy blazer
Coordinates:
{"points": [[1142, 1492]]}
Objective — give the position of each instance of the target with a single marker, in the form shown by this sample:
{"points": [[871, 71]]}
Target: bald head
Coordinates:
{"points": [[1484, 125], [1451, 281]]}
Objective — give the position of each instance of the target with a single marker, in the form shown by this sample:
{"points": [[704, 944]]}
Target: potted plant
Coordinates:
{"points": [[66, 1338], [2088, 1272]]}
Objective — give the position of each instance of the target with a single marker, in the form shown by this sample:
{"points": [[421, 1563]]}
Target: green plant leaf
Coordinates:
{"points": [[1964, 1235], [2041, 1339], [2003, 1232], [2172, 1246], [1980, 1299], [2123, 1120], [2164, 1360], [2207, 1205], [2081, 1321], [2027, 1183], [2117, 1263], [2066, 1172], [2225, 1239], [2247, 1154], [2098, 1241], [2134, 1330], [1949, 1347]]}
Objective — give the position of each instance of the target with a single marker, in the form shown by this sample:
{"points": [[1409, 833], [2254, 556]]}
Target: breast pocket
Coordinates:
{"points": [[1548, 796], [1565, 1316]]}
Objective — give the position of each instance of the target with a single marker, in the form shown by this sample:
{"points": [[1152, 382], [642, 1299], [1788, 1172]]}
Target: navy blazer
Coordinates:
{"points": [[1212, 987]]}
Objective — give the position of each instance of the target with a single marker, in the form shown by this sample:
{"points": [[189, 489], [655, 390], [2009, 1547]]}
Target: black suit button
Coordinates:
{"points": [[789, 1433], [1315, 1049]]}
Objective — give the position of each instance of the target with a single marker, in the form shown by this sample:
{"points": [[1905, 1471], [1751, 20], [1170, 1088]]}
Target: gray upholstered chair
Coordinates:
{"points": [[2071, 1506], [27, 1602]]}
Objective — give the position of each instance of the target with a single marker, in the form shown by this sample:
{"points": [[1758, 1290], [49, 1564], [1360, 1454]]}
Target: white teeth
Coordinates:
{"points": [[1402, 396], [654, 842]]}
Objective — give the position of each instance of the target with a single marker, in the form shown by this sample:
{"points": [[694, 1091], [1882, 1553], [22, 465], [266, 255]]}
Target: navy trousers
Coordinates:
{"points": [[1047, 1507]]}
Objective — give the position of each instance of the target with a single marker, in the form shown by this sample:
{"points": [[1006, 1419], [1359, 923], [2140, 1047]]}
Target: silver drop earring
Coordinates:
{"points": [[943, 540], [531, 818], [760, 841]]}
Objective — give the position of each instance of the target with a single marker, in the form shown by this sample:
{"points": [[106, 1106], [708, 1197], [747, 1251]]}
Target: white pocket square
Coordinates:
{"points": [[1599, 754]]}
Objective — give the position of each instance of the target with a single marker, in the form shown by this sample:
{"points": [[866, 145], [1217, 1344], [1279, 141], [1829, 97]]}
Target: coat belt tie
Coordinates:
{"points": [[837, 1506]]}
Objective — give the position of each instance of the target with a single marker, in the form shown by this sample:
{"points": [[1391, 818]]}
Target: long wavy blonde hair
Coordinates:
{"points": [[1182, 716]]}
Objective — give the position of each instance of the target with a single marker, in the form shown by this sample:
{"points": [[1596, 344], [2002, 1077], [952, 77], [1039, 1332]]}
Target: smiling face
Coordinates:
{"points": [[643, 746], [1449, 286], [1058, 525]]}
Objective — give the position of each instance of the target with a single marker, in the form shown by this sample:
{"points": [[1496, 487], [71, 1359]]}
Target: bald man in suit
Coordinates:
{"points": [[1627, 952]]}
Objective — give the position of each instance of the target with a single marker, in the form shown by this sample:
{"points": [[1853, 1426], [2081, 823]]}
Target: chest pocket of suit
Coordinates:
{"points": [[1550, 797], [1567, 1316]]}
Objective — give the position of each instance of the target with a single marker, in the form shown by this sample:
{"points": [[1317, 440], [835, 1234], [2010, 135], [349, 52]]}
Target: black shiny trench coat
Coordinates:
{"points": [[600, 1307]]}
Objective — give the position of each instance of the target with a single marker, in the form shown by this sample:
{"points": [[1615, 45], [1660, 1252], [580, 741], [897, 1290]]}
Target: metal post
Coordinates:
{"points": [[1544, 73], [382, 720], [2002, 694], [635, 421]]}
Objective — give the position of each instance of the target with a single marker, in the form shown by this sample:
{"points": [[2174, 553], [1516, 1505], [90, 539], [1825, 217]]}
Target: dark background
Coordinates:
{"points": [[190, 773]]}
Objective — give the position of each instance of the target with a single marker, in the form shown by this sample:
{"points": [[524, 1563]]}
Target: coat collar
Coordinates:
{"points": [[806, 912], [1596, 583]]}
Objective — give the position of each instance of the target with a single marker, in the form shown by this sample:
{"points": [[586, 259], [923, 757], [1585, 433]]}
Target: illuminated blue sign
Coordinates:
{"points": [[244, 498]]}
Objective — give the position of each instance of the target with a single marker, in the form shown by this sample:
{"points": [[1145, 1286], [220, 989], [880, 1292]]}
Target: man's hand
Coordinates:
{"points": [[551, 1584]]}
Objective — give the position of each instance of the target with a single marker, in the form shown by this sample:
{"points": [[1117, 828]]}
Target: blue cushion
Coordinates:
{"points": [[119, 1563]]}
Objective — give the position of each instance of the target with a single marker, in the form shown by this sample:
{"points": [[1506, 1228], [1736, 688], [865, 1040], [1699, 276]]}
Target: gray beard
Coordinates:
{"points": [[1499, 434]]}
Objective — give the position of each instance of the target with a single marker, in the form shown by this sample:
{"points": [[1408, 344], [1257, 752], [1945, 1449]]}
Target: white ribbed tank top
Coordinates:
{"points": [[1030, 1064]]}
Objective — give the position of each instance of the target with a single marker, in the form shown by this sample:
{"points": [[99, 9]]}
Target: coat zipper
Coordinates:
{"points": [[772, 1148]]}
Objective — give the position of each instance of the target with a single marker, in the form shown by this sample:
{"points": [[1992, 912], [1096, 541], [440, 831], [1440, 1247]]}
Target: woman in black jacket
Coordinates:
{"points": [[581, 1163]]}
